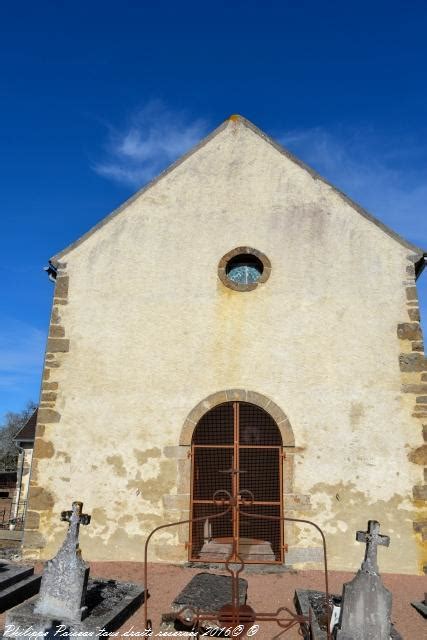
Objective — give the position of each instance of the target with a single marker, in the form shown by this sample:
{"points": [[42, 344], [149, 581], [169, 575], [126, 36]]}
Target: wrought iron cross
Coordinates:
{"points": [[372, 538]]}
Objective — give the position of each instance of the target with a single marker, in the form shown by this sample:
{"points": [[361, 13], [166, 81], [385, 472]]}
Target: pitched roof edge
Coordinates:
{"points": [[56, 258], [420, 253], [28, 429], [363, 212]]}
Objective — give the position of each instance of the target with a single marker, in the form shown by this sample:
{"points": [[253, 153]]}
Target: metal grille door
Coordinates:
{"points": [[237, 459]]}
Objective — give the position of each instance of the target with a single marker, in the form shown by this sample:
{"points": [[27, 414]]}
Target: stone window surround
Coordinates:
{"points": [[222, 269]]}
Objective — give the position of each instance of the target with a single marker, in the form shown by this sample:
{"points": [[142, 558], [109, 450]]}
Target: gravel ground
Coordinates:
{"points": [[266, 593]]}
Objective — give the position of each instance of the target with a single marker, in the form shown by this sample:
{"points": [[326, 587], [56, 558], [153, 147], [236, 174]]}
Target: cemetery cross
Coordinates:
{"points": [[373, 539]]}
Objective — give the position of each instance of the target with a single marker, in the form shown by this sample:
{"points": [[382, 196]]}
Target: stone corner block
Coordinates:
{"points": [[61, 288], [412, 362], [414, 314], [32, 520], [58, 345], [420, 492], [48, 415], [40, 499], [409, 331], [33, 540], [419, 455], [411, 293], [56, 331]]}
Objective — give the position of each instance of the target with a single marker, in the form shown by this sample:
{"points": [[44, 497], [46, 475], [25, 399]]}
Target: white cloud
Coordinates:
{"points": [[383, 176], [152, 139]]}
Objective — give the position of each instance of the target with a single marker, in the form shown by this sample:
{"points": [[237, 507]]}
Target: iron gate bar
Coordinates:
{"points": [[166, 526], [229, 429], [236, 618]]}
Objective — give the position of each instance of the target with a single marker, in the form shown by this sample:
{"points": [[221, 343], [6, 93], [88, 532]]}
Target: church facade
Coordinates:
{"points": [[237, 328]]}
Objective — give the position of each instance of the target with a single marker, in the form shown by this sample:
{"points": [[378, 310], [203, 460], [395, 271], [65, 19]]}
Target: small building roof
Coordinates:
{"points": [[27, 433]]}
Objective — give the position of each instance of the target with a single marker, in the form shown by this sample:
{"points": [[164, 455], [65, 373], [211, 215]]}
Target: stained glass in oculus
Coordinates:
{"points": [[244, 269]]}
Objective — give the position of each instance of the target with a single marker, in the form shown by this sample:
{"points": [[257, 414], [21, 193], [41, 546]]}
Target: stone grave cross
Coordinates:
{"points": [[366, 603], [63, 587], [75, 518], [373, 539]]}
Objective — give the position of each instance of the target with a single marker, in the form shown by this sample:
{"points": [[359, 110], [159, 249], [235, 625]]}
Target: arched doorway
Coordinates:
{"points": [[237, 448]]}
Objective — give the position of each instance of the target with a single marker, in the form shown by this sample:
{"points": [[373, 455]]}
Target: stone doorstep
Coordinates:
{"points": [[250, 568], [215, 551], [120, 600]]}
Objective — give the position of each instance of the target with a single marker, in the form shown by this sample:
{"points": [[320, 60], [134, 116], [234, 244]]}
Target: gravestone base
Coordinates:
{"points": [[306, 599], [206, 592], [109, 604], [17, 583]]}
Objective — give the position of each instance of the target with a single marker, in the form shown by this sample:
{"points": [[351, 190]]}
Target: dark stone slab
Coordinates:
{"points": [[109, 603], [17, 583], [13, 573], [18, 592], [306, 599], [207, 593]]}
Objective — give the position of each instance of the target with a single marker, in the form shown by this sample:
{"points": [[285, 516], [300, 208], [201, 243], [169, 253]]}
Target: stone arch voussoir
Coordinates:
{"points": [[241, 395]]}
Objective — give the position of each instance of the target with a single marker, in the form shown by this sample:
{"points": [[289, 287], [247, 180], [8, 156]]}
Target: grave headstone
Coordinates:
{"points": [[366, 603], [69, 599], [63, 587]]}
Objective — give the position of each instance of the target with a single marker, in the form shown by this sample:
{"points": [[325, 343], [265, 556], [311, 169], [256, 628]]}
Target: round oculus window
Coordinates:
{"points": [[243, 269]]}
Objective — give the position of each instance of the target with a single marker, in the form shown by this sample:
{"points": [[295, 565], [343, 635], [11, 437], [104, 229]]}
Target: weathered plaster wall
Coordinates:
{"points": [[143, 330]]}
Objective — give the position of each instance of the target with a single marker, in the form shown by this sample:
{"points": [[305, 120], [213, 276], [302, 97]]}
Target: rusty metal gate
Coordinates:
{"points": [[236, 516], [237, 451], [234, 618]]}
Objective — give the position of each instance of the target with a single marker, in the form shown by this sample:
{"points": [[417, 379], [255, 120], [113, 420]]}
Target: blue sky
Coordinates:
{"points": [[97, 97]]}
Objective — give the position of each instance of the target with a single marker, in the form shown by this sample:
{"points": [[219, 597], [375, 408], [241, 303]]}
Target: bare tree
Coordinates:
{"points": [[13, 422]]}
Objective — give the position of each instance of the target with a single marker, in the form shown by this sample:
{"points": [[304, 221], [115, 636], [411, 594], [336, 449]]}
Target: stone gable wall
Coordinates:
{"points": [[143, 330]]}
